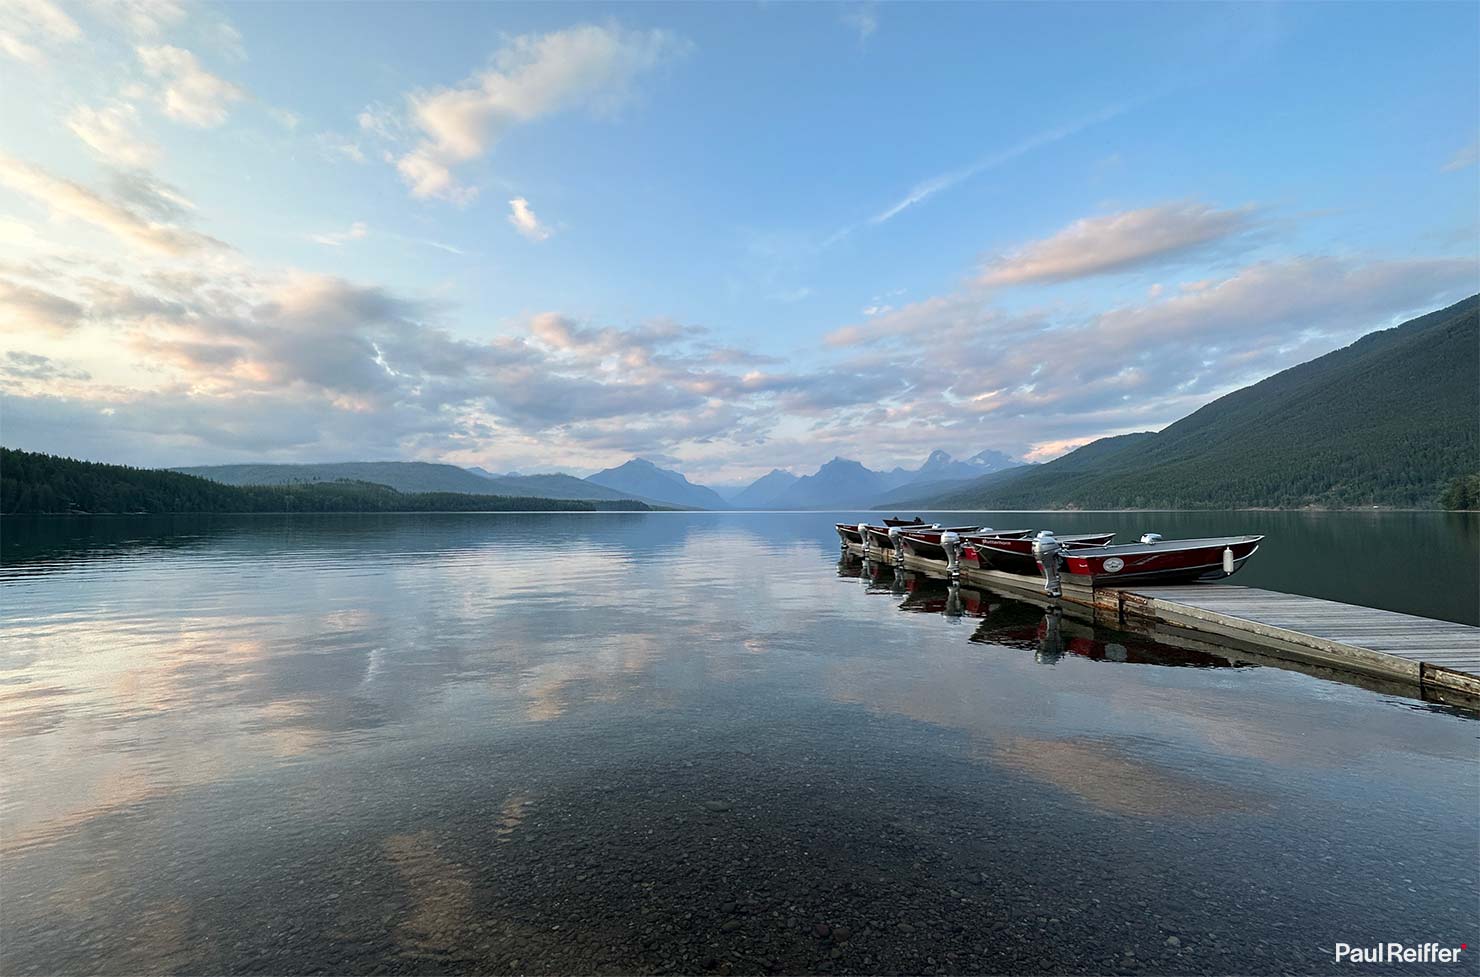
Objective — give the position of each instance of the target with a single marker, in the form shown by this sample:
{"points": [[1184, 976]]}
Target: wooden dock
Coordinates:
{"points": [[1433, 655], [1378, 642]]}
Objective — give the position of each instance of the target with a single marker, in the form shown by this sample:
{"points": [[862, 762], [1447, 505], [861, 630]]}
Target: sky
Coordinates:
{"points": [[726, 237]]}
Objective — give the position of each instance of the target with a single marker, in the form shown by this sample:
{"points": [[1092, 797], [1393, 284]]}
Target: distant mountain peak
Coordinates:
{"points": [[997, 459], [641, 477]]}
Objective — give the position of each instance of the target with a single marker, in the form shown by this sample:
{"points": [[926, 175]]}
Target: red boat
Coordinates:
{"points": [[926, 542], [849, 533], [1157, 560], [878, 536], [1015, 554]]}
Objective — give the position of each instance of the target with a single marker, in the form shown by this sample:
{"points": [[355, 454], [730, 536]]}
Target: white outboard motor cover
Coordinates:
{"points": [[1151, 538], [1046, 549], [950, 541]]}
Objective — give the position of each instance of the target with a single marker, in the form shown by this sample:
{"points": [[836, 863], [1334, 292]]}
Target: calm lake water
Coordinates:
{"points": [[695, 743]]}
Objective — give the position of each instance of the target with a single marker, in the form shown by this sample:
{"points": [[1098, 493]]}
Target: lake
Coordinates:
{"points": [[698, 743]]}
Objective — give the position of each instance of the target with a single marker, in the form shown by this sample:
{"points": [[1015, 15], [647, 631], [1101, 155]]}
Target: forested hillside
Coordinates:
{"points": [[403, 476], [39, 483], [1392, 420]]}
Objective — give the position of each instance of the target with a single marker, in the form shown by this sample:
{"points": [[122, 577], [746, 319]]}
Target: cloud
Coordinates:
{"points": [[145, 192], [926, 189], [862, 18], [1118, 242], [355, 232], [1049, 450], [20, 50], [65, 198], [1045, 381], [25, 307], [218, 365], [33, 366], [532, 76], [148, 18], [27, 25], [1464, 158], [336, 147], [525, 222], [110, 132], [188, 92]]}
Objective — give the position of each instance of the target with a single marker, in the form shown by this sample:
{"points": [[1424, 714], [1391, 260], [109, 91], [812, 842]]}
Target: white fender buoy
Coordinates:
{"points": [[1228, 559]]}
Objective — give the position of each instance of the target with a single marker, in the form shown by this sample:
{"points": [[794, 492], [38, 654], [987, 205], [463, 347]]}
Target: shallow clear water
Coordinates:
{"points": [[677, 742]]}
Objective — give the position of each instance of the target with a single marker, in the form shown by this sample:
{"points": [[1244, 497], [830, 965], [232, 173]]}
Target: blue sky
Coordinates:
{"points": [[731, 236]]}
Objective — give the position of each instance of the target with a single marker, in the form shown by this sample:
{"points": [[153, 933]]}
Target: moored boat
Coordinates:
{"points": [[1015, 554], [896, 521], [849, 534], [1157, 560], [926, 542]]}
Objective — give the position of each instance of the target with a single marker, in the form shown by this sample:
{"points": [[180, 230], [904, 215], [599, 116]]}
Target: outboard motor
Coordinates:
{"points": [[951, 543], [1151, 538], [863, 537], [894, 534], [1046, 551]]}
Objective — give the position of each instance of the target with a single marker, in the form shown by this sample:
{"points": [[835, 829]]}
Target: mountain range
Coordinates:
{"points": [[1390, 420], [838, 483]]}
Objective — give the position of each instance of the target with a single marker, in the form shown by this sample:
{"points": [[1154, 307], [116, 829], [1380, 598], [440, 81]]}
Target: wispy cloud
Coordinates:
{"points": [[525, 221], [926, 189], [1117, 242], [112, 133], [1464, 158], [26, 307], [66, 198], [862, 19], [533, 76], [27, 27], [333, 239], [188, 93]]}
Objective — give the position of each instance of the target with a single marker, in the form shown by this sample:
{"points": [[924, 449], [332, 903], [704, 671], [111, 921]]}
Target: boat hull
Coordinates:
{"points": [[1152, 566], [1016, 555], [926, 545]]}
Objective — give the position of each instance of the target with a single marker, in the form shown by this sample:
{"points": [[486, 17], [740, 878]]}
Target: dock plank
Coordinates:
{"points": [[1379, 640]]}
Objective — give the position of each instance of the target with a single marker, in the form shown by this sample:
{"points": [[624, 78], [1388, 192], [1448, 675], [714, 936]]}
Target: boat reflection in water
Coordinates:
{"points": [[1010, 623]]}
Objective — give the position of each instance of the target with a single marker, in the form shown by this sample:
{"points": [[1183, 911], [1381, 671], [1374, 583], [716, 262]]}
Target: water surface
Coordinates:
{"points": [[659, 743]]}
